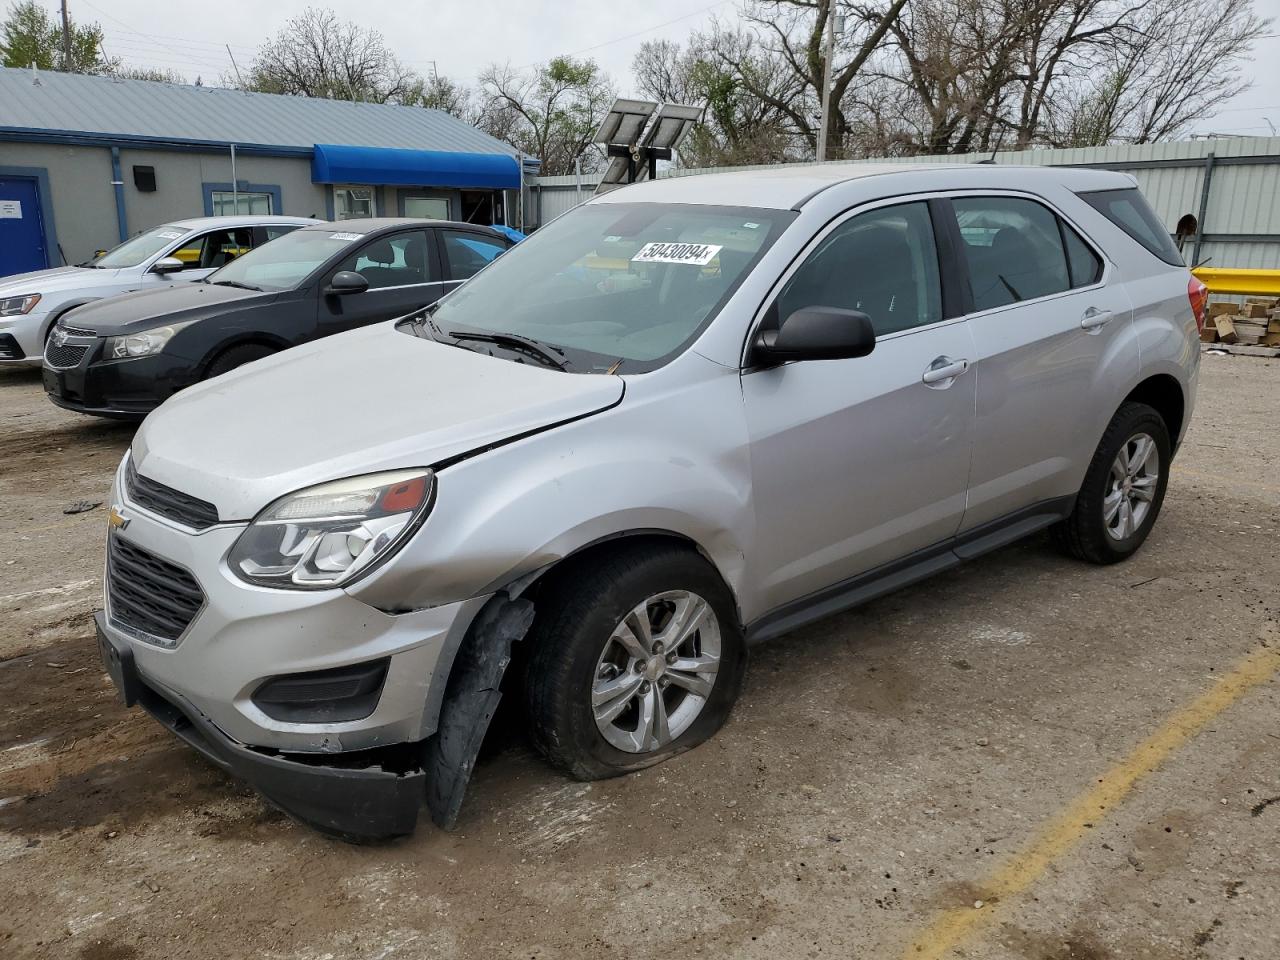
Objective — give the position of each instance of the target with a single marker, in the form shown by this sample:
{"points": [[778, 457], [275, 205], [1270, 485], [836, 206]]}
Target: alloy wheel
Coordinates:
{"points": [[656, 671], [1131, 486]]}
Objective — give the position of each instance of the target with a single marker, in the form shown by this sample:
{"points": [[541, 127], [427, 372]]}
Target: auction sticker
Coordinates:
{"points": [[698, 254], [170, 234], [345, 236]]}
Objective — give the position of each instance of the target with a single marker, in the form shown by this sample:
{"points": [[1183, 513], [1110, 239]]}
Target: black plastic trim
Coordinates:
{"points": [[908, 570], [366, 803], [957, 297], [336, 695]]}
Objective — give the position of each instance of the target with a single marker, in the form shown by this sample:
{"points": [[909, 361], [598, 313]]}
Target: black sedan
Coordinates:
{"points": [[124, 356]]}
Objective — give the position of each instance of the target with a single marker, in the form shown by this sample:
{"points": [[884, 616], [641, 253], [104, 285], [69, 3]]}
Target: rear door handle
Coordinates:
{"points": [[944, 368], [1094, 318]]}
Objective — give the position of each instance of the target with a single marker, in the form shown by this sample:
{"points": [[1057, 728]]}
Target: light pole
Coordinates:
{"points": [[835, 25]]}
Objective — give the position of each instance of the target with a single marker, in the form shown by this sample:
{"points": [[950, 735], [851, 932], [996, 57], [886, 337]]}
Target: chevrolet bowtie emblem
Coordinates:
{"points": [[117, 520], [59, 337]]}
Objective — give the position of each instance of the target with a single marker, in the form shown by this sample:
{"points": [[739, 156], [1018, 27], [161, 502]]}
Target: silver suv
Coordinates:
{"points": [[686, 416]]}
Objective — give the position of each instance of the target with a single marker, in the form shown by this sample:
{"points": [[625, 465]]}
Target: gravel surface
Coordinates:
{"points": [[882, 767]]}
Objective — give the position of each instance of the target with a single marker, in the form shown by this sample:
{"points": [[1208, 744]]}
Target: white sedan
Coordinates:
{"points": [[184, 250]]}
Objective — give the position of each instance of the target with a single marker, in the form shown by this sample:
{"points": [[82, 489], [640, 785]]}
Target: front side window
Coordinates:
{"points": [[227, 204], [610, 282], [285, 262], [351, 203], [141, 248], [209, 251], [468, 252], [883, 263], [395, 261], [1013, 248]]}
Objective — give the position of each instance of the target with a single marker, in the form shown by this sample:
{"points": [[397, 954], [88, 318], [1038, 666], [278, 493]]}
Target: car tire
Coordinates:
{"points": [[1123, 489], [576, 653], [228, 360]]}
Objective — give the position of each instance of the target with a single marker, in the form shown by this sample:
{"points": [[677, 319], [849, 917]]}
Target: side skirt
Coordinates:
{"points": [[910, 569]]}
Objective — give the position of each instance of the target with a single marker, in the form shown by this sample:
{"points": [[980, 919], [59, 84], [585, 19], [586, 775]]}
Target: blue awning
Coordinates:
{"points": [[337, 163]]}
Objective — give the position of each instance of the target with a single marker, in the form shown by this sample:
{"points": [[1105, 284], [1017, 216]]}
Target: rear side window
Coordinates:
{"points": [[1129, 211], [467, 253], [1084, 264], [1014, 249]]}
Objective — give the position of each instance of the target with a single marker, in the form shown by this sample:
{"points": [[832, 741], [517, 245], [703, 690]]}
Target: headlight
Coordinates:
{"points": [[17, 306], [142, 344], [329, 535]]}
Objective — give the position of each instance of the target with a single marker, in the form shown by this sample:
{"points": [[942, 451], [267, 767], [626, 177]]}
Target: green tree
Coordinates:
{"points": [[30, 34], [550, 113]]}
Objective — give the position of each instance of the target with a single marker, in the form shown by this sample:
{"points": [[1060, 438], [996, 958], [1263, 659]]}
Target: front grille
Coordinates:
{"points": [[76, 331], [167, 502], [9, 349], [66, 355], [148, 597]]}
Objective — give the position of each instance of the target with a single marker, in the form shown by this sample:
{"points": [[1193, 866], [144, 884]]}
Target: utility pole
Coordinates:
{"points": [[66, 38], [835, 24]]}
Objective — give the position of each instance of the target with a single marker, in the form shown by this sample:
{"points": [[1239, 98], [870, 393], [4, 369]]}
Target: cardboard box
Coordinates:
{"points": [[1226, 329]]}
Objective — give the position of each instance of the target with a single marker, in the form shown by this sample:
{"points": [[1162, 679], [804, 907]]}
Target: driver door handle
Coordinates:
{"points": [[944, 368], [1094, 318]]}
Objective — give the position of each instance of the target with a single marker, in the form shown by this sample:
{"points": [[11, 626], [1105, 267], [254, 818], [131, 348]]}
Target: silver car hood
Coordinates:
{"points": [[54, 280], [373, 399]]}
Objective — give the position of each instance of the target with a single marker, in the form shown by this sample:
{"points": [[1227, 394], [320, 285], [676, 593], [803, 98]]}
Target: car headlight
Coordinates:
{"points": [[329, 535], [17, 306], [142, 344]]}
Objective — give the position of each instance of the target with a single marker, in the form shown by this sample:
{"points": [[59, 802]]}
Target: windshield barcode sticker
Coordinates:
{"points": [[345, 236], [698, 254], [170, 234]]}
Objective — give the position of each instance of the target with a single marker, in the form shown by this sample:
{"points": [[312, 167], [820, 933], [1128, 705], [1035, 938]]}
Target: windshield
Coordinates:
{"points": [[140, 248], [634, 282], [283, 263]]}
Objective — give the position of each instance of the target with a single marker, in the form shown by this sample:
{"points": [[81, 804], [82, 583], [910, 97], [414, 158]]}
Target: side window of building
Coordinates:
{"points": [[1013, 248], [467, 253], [882, 262], [215, 249], [395, 261]]}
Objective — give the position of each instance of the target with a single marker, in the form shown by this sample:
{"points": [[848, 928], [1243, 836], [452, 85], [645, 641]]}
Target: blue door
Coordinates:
{"points": [[21, 227]]}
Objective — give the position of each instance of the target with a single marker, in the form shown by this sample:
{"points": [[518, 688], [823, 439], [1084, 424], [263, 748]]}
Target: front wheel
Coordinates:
{"points": [[635, 659], [1123, 489], [234, 357]]}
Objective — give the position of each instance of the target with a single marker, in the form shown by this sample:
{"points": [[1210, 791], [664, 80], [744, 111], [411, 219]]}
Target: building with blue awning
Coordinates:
{"points": [[96, 160]]}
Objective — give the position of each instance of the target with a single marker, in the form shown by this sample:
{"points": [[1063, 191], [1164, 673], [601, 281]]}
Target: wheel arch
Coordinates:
{"points": [[248, 339], [1163, 393]]}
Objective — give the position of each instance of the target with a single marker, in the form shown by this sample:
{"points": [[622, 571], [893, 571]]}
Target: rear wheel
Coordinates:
{"points": [[635, 659], [237, 357], [1123, 489]]}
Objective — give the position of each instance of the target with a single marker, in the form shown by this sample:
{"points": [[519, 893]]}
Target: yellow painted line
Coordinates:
{"points": [[956, 926]]}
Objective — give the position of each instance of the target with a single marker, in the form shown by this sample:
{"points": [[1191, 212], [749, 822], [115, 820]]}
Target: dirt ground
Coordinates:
{"points": [[958, 770]]}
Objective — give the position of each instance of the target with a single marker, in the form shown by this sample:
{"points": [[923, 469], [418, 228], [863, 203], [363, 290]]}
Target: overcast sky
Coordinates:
{"points": [[462, 36]]}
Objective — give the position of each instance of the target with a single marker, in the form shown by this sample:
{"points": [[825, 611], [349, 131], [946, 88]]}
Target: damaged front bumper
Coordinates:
{"points": [[366, 795], [354, 803]]}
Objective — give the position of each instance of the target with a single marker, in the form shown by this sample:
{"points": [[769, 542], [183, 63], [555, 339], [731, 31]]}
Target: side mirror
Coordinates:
{"points": [[345, 282], [816, 333], [168, 265]]}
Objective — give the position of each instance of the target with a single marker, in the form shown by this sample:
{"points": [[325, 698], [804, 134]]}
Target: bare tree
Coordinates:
{"points": [[319, 55], [550, 113]]}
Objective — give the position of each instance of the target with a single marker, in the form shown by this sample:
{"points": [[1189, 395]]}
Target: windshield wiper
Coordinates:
{"points": [[234, 283], [513, 341]]}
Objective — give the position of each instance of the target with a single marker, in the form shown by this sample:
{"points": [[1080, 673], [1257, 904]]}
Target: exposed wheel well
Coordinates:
{"points": [[1164, 394], [592, 552]]}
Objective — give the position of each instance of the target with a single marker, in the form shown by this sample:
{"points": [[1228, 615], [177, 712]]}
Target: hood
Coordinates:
{"points": [[48, 281], [373, 399], [143, 309]]}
